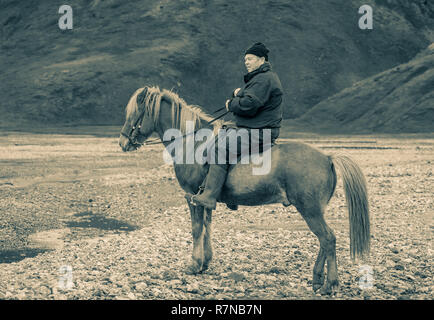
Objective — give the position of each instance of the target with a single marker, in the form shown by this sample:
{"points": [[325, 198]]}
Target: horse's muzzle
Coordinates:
{"points": [[125, 144]]}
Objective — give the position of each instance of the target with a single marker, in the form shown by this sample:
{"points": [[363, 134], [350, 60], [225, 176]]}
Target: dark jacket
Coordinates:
{"points": [[258, 103]]}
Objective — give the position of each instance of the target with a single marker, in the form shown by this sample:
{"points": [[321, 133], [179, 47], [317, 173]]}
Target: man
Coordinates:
{"points": [[255, 106]]}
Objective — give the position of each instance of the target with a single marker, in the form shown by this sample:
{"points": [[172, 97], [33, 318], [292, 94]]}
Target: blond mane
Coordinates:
{"points": [[181, 111]]}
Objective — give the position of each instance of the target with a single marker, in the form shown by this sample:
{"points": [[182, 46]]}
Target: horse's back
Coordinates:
{"points": [[290, 169], [292, 156]]}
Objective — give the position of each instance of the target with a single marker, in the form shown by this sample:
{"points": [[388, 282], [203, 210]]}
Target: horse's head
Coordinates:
{"points": [[139, 125]]}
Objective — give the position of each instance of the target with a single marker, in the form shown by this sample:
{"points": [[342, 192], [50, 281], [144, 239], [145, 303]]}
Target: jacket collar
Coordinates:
{"points": [[266, 66]]}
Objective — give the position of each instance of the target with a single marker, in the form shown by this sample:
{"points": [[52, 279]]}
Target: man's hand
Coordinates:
{"points": [[227, 104], [236, 91]]}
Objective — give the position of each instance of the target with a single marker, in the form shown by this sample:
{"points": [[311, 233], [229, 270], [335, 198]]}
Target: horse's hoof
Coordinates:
{"points": [[318, 281], [205, 267], [317, 286], [193, 268], [330, 289]]}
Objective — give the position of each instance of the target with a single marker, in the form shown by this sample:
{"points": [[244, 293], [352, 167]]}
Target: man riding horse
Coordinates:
{"points": [[299, 175], [255, 106]]}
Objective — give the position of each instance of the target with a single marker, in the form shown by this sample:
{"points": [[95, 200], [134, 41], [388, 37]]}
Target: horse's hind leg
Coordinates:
{"points": [[318, 270], [315, 220], [207, 247]]}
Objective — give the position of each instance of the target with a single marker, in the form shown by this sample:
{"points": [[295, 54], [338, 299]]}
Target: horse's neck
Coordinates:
{"points": [[189, 176], [165, 121]]}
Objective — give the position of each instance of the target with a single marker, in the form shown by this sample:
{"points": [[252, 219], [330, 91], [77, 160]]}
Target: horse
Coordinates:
{"points": [[300, 175]]}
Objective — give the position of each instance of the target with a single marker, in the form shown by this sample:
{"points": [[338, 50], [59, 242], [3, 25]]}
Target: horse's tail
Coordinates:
{"points": [[358, 207]]}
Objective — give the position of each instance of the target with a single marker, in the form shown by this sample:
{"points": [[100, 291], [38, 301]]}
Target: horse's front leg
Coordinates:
{"points": [[207, 246], [198, 232]]}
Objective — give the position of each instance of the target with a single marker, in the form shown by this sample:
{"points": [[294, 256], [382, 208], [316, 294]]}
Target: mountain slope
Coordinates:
{"points": [[400, 99], [195, 47]]}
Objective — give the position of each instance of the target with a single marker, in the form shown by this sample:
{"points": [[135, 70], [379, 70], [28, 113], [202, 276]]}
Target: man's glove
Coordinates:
{"points": [[236, 92], [227, 104]]}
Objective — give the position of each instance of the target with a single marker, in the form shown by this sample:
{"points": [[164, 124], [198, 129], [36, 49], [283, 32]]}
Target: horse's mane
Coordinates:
{"points": [[181, 111]]}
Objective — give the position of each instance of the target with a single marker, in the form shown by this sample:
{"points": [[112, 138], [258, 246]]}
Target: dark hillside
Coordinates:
{"points": [[86, 75], [400, 99]]}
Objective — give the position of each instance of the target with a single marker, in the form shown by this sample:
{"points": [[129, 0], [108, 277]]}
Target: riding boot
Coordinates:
{"points": [[214, 182]]}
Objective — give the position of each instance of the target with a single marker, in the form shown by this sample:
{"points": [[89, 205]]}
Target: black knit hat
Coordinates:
{"points": [[259, 50]]}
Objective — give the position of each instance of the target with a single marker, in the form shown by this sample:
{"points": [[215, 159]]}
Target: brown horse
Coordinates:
{"points": [[300, 175]]}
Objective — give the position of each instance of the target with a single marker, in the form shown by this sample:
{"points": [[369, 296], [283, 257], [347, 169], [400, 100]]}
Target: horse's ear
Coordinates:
{"points": [[141, 96]]}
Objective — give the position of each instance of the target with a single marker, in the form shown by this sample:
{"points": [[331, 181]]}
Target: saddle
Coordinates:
{"points": [[233, 207]]}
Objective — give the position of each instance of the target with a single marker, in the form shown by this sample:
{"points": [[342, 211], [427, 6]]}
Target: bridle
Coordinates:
{"points": [[135, 129]]}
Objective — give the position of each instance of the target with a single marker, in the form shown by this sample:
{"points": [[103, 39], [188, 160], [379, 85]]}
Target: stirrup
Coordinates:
{"points": [[190, 199]]}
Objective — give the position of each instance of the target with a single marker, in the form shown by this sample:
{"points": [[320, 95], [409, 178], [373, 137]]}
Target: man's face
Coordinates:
{"points": [[253, 62]]}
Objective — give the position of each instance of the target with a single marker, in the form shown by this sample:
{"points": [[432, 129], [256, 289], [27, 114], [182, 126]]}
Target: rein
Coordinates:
{"points": [[132, 135], [155, 141]]}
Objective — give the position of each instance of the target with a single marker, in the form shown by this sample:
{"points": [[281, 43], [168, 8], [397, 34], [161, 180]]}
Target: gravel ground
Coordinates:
{"points": [[82, 220]]}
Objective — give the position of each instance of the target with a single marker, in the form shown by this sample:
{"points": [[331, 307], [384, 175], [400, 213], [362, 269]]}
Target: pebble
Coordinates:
{"points": [[390, 263], [395, 259], [410, 277], [21, 296], [45, 291], [175, 283], [193, 288], [156, 292], [236, 276], [165, 268], [141, 286]]}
